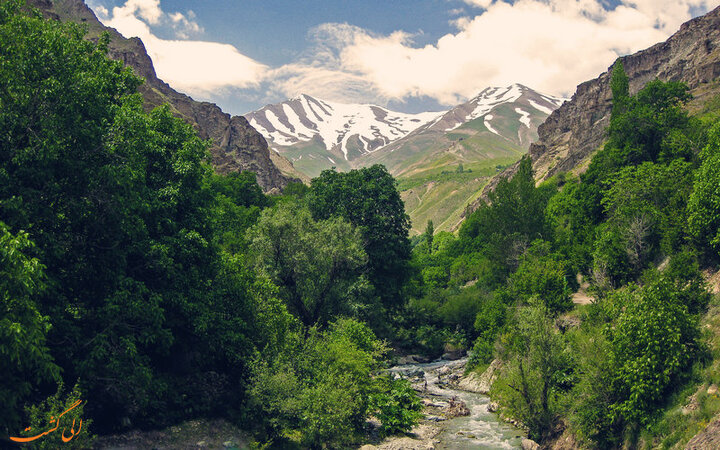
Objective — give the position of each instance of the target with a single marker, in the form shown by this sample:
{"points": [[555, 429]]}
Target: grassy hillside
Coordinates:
{"points": [[432, 186], [441, 193]]}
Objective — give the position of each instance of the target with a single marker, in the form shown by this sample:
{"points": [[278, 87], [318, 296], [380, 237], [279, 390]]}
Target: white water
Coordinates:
{"points": [[481, 429]]}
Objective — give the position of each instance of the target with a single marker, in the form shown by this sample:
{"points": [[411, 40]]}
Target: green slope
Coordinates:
{"points": [[311, 158], [441, 194]]}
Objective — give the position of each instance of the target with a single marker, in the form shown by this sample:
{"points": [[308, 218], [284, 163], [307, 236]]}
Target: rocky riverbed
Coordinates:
{"points": [[453, 418]]}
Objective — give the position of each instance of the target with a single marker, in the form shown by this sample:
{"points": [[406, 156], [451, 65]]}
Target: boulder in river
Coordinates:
{"points": [[453, 355]]}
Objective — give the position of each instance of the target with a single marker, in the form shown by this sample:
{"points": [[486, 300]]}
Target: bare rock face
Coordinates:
{"points": [[236, 146], [574, 131], [707, 439]]}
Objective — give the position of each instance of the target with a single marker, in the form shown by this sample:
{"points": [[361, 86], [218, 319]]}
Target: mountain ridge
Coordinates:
{"points": [[235, 145], [496, 117], [336, 133], [572, 133]]}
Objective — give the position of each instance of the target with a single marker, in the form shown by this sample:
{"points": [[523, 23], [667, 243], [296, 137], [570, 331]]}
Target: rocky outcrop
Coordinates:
{"points": [[236, 146], [480, 383], [707, 439], [570, 135]]}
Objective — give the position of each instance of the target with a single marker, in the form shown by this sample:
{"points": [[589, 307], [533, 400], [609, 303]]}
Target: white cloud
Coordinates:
{"points": [[195, 67], [550, 45]]}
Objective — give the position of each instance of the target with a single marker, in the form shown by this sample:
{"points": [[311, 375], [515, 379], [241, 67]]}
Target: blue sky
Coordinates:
{"points": [[409, 55]]}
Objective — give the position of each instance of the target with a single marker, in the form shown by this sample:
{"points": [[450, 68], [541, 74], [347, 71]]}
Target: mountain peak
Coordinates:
{"points": [[316, 134], [332, 132]]}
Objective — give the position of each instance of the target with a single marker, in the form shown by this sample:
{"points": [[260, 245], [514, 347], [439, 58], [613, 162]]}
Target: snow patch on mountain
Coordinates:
{"points": [[337, 125], [486, 122], [524, 116], [492, 97], [540, 107]]}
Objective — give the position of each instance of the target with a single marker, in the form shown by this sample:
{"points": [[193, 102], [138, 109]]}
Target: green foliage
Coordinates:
{"points": [[646, 204], [317, 265], [396, 405], [543, 276], [639, 131], [238, 201], [514, 217], [652, 343], [23, 347], [319, 390], [489, 322], [66, 411], [369, 200], [704, 203], [296, 189], [620, 86], [459, 310], [429, 234], [638, 359], [538, 365], [126, 220]]}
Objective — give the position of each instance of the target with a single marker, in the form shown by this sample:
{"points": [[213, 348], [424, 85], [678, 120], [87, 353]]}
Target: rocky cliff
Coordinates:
{"points": [[236, 146], [570, 135]]}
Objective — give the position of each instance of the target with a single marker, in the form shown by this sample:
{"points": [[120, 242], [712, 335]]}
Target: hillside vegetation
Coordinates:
{"points": [[639, 225], [139, 289]]}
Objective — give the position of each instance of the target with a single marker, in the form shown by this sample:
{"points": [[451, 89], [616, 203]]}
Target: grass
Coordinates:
{"points": [[311, 158], [441, 193]]}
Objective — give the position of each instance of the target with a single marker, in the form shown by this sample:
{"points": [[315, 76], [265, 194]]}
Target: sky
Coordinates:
{"points": [[407, 55]]}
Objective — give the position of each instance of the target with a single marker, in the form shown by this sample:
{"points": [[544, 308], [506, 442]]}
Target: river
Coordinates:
{"points": [[481, 429]]}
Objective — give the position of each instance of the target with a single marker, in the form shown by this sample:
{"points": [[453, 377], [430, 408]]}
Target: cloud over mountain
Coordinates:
{"points": [[196, 67], [548, 44]]}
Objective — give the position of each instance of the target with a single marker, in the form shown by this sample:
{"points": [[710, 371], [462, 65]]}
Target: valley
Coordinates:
{"points": [[518, 270], [442, 160]]}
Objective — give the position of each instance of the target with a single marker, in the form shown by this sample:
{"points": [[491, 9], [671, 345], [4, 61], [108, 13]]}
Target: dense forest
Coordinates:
{"points": [[135, 278]]}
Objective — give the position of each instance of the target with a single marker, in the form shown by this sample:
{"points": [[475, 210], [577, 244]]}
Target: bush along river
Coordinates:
{"points": [[463, 418]]}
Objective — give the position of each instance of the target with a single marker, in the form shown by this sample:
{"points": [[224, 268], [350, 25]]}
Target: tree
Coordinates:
{"points": [[538, 362], [704, 203], [638, 358], [619, 84], [652, 344], [319, 389], [118, 203], [543, 276], [640, 129], [645, 207], [369, 200], [317, 265], [429, 233], [238, 201], [26, 359], [513, 218]]}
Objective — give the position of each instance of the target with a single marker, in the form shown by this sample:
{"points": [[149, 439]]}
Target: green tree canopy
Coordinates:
{"points": [[368, 199], [704, 202], [117, 203], [318, 266], [25, 359]]}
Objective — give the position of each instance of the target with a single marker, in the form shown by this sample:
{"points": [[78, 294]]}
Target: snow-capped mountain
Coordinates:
{"points": [[316, 134], [302, 126], [498, 122], [529, 107]]}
